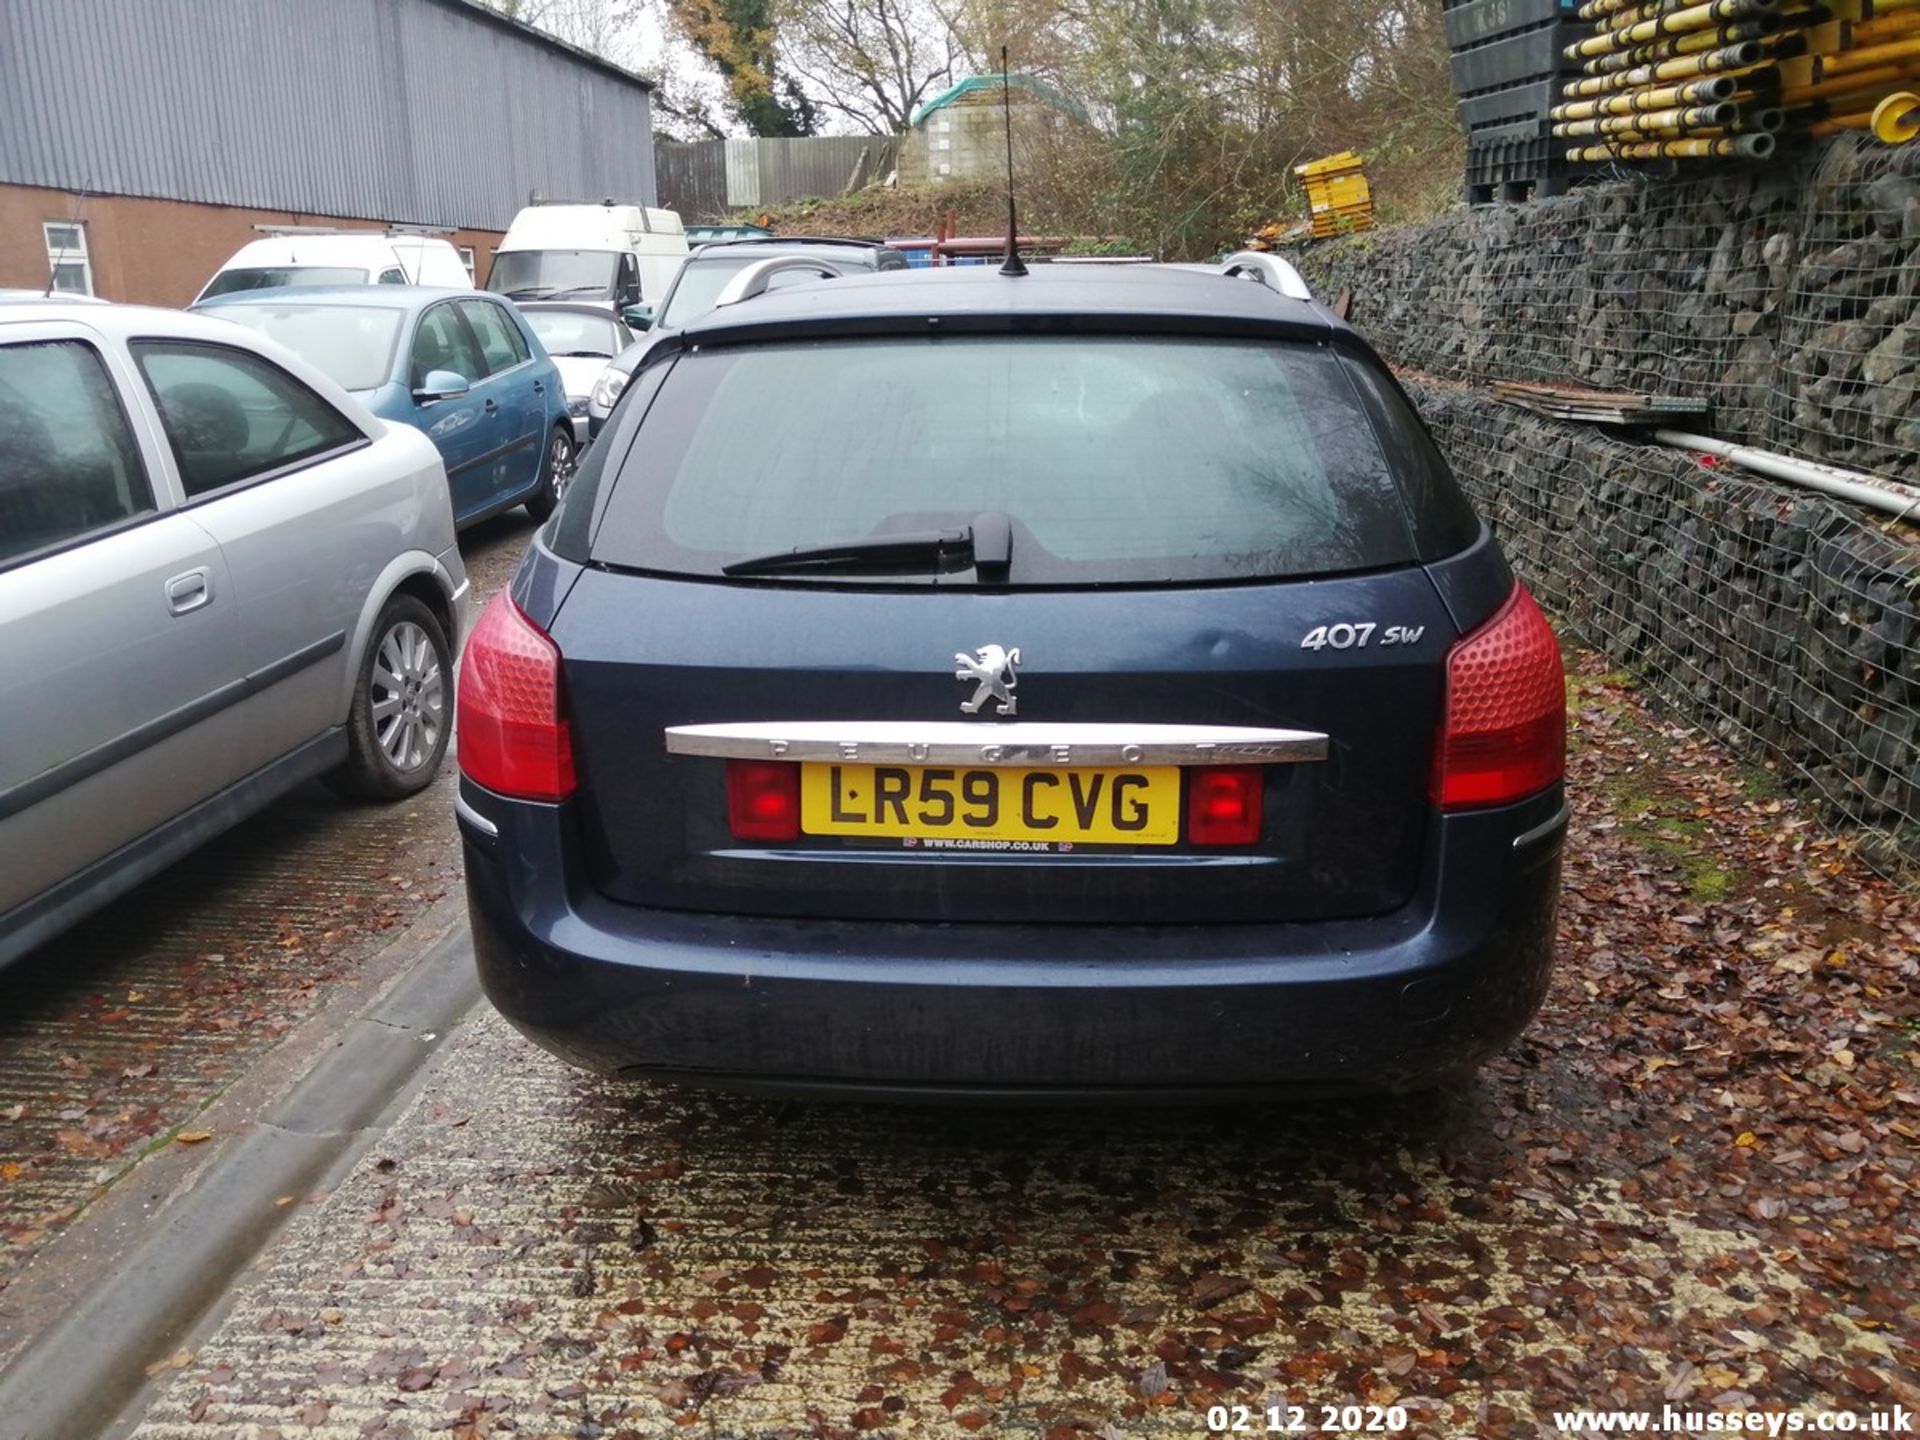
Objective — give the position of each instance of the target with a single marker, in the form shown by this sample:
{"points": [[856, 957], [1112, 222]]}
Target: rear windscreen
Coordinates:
{"points": [[275, 277], [351, 345], [1115, 459]]}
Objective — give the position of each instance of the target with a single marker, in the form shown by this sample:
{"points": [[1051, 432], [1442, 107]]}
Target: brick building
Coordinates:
{"points": [[141, 143]]}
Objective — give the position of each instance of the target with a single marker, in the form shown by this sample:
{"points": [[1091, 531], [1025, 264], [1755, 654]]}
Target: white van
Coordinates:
{"points": [[605, 254], [340, 257]]}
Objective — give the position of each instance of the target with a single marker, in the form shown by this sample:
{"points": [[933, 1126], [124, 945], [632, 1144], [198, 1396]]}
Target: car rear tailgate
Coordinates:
{"points": [[1358, 658]]}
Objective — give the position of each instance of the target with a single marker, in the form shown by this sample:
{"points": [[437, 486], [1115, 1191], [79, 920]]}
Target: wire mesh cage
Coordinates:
{"points": [[1786, 623], [1787, 298]]}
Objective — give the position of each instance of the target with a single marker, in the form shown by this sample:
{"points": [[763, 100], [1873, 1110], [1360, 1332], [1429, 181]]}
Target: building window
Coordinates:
{"points": [[466, 259], [67, 260]]}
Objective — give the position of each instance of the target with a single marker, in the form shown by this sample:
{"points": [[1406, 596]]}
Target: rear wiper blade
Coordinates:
{"points": [[922, 547]]}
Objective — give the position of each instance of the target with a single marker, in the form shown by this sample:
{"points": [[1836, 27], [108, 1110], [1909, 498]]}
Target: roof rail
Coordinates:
{"points": [[755, 279], [1269, 270], [384, 231]]}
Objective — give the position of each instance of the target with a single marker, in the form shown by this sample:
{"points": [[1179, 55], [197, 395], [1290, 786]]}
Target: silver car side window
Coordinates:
{"points": [[69, 465], [233, 416]]}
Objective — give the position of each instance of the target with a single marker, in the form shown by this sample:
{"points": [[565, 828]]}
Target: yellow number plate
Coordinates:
{"points": [[1091, 807]]}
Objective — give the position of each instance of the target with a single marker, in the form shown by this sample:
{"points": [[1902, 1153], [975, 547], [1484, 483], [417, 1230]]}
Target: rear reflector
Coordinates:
{"points": [[514, 738], [1223, 804], [1504, 735], [763, 799]]}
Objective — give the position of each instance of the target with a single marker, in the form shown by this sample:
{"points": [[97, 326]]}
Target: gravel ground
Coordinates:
{"points": [[1690, 1184], [114, 1036]]}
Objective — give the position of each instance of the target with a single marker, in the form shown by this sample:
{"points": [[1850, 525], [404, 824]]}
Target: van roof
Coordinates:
{"points": [[313, 250], [566, 227]]}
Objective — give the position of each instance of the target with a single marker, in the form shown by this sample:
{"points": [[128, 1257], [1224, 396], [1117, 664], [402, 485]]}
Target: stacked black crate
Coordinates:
{"points": [[1509, 62]]}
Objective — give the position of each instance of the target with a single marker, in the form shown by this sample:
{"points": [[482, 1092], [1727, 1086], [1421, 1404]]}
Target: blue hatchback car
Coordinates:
{"points": [[460, 365]]}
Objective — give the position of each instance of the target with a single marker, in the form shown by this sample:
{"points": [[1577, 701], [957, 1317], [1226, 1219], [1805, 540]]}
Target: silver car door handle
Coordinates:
{"points": [[189, 592]]}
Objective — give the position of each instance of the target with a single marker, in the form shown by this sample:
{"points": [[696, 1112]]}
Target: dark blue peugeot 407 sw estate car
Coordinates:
{"points": [[1082, 683]]}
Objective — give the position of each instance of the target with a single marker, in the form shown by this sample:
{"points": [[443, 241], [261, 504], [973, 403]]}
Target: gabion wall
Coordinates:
{"points": [[1787, 295], [1787, 623]]}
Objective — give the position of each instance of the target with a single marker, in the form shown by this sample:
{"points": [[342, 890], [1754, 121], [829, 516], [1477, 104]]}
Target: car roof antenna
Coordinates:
{"points": [[1014, 264]]}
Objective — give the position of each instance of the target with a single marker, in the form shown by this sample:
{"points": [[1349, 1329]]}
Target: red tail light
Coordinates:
{"points": [[1504, 735], [763, 799], [1223, 804], [513, 735]]}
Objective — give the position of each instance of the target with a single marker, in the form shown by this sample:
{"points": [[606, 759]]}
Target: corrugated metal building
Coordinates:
{"points": [[167, 129]]}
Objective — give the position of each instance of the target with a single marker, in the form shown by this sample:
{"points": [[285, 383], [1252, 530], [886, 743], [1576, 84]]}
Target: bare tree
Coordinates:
{"points": [[870, 62], [596, 26]]}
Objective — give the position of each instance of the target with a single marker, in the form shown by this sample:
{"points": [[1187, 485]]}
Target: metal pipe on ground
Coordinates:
{"points": [[1861, 488]]}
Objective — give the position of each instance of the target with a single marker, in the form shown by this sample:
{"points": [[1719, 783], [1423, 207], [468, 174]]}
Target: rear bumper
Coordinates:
{"points": [[1047, 1011]]}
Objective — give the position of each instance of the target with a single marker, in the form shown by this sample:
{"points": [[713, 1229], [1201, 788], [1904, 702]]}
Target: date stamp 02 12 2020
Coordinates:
{"points": [[1306, 1419]]}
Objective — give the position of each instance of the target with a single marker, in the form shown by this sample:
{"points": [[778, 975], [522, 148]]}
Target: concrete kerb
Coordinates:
{"points": [[79, 1374]]}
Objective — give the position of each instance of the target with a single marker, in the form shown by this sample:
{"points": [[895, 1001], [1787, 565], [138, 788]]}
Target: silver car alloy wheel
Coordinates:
{"points": [[559, 463], [408, 696]]}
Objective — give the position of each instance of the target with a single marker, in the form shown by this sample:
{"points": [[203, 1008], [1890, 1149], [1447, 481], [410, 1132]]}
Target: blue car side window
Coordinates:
{"points": [[443, 343], [500, 339]]}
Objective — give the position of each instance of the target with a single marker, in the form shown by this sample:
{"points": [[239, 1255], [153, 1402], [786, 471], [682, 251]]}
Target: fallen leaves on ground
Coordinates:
{"points": [[1690, 1183]]}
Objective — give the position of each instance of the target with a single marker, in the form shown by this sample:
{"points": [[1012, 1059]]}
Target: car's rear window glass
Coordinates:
{"points": [[274, 277], [1117, 459], [1443, 521], [350, 344], [567, 332]]}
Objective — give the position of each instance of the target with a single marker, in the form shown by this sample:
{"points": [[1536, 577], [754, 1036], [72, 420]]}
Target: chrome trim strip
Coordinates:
{"points": [[474, 818], [958, 742], [1553, 822]]}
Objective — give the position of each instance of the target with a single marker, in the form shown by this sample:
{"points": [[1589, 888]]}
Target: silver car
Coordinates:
{"points": [[219, 576]]}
